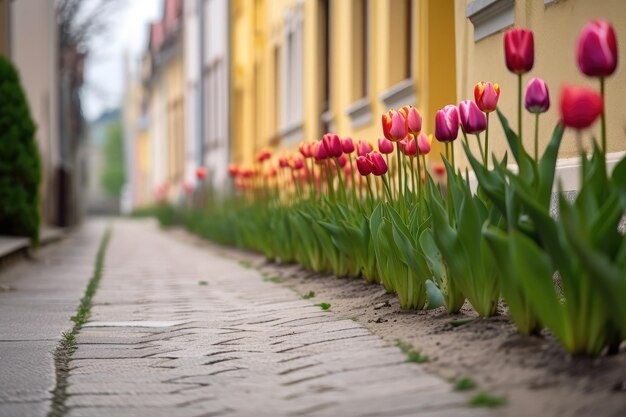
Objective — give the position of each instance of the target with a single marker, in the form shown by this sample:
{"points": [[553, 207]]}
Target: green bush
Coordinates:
{"points": [[20, 170]]}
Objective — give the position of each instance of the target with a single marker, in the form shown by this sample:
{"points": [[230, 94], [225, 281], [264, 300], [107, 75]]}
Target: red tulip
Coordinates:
{"points": [[386, 119], [399, 128], [296, 163], [439, 170], [264, 155], [596, 51], [537, 98], [233, 170], [423, 144], [364, 165], [200, 173], [410, 148], [385, 146], [486, 96], [321, 152], [333, 145], [379, 167], [473, 119], [580, 106], [347, 145], [447, 124], [283, 162], [364, 148], [519, 50], [414, 120]]}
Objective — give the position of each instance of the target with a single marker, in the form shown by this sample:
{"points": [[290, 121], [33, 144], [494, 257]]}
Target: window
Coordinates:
{"points": [[490, 16], [401, 36], [292, 68]]}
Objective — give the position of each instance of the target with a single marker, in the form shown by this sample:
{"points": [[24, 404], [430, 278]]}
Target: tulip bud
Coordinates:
{"points": [[399, 128], [264, 155], [414, 121], [379, 166], [596, 51], [486, 96], [580, 106], [423, 144], [519, 50], [385, 146], [233, 170], [364, 165], [473, 119], [410, 147], [537, 98], [364, 148], [447, 124], [200, 173], [347, 145]]}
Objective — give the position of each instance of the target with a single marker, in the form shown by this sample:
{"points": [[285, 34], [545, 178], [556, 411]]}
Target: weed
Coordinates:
{"points": [[464, 384], [416, 357], [203, 283], [354, 318], [245, 264], [323, 306], [275, 280], [308, 295], [484, 399]]}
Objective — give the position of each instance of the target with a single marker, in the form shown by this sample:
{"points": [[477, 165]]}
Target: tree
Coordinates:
{"points": [[20, 167], [114, 172]]}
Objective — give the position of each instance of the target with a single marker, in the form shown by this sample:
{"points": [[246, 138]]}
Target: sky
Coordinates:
{"points": [[104, 69]]}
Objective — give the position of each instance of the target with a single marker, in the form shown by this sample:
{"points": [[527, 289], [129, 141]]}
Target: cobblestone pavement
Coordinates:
{"points": [[37, 299]]}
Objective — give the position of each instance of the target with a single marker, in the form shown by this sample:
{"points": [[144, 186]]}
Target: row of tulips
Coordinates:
{"points": [[353, 209]]}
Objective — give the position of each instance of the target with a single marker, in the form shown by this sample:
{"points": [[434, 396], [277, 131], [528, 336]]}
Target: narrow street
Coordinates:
{"points": [[176, 329]]}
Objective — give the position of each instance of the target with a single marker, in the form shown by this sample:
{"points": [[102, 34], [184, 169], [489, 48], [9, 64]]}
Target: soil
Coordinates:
{"points": [[535, 375]]}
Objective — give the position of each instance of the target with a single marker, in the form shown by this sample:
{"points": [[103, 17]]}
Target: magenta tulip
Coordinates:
{"points": [[473, 119], [596, 51], [347, 145], [385, 146], [379, 167], [519, 50], [537, 99], [364, 165], [447, 124]]}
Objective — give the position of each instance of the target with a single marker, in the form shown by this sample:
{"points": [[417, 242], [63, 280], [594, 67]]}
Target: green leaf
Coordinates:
{"points": [[435, 298]]}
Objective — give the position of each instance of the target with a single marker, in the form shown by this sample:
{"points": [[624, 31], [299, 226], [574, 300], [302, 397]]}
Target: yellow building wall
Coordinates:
{"points": [[257, 35], [174, 81], [556, 28]]}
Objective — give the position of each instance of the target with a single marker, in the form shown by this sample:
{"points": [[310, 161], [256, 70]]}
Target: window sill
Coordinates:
{"points": [[399, 95], [292, 133], [490, 16], [360, 113]]}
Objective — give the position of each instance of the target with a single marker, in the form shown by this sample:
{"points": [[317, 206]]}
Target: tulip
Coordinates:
{"points": [[283, 162], [399, 128], [347, 145], [537, 99], [333, 145], [321, 152], [379, 167], [473, 119], [264, 155], [233, 170], [402, 145], [447, 124], [439, 170], [296, 163], [200, 173], [596, 50], [580, 106], [519, 50], [410, 147], [386, 119], [423, 144], [342, 160], [486, 96], [363, 148], [364, 165], [187, 187], [385, 146], [414, 121]]}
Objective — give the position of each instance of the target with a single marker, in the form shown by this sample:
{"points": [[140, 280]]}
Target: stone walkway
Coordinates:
{"points": [[178, 330]]}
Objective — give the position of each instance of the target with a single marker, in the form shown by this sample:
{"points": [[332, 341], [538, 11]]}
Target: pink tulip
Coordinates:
{"points": [[385, 146], [580, 106], [473, 119], [519, 50], [423, 144], [333, 145], [321, 152], [364, 165], [447, 124], [414, 120], [347, 145], [363, 148], [379, 167], [342, 160], [410, 148], [596, 51], [537, 98], [399, 128], [486, 96]]}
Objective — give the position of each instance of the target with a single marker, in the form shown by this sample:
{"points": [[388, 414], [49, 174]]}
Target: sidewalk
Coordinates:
{"points": [[37, 299], [177, 330]]}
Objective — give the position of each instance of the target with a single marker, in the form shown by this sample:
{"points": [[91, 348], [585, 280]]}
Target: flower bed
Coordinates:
{"points": [[340, 206]]}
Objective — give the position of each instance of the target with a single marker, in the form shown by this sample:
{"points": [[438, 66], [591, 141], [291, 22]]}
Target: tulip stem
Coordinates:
{"points": [[399, 169], [369, 189], [417, 186], [386, 186], [487, 142], [342, 185], [353, 180], [603, 117], [519, 113], [480, 148], [536, 136], [448, 151]]}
